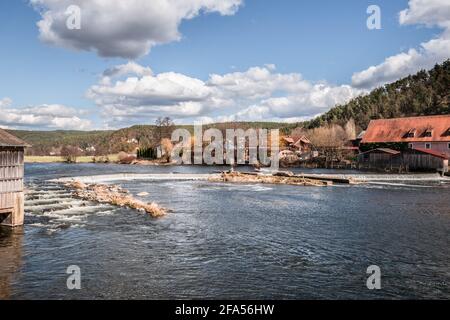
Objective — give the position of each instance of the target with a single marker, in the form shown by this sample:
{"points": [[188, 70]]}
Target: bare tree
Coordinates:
{"points": [[164, 127], [70, 153]]}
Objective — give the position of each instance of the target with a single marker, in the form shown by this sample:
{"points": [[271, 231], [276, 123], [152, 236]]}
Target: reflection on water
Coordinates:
{"points": [[225, 241], [10, 258]]}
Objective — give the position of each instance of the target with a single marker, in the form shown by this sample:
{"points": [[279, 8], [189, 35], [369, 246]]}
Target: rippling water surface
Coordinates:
{"points": [[229, 241]]}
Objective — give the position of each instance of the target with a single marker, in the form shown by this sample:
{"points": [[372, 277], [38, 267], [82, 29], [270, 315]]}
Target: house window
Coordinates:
{"points": [[410, 145], [411, 133], [449, 145], [427, 145], [428, 133]]}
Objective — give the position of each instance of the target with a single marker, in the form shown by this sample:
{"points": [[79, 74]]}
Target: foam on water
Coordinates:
{"points": [[399, 185], [50, 206], [132, 177]]}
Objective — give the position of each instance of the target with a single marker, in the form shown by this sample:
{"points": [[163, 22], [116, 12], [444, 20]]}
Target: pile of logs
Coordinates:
{"points": [[115, 195], [277, 178]]}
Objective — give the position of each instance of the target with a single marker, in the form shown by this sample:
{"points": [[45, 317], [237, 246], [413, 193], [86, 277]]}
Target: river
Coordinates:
{"points": [[224, 241]]}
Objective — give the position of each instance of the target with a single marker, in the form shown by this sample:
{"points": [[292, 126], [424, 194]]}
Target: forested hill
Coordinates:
{"points": [[425, 93], [107, 142]]}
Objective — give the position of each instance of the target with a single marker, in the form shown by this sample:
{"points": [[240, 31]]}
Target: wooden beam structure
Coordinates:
{"points": [[12, 152]]}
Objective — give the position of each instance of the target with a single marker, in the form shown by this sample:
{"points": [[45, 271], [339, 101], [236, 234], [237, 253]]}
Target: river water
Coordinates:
{"points": [[224, 241]]}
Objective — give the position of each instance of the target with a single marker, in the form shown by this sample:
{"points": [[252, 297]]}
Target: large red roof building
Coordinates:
{"points": [[428, 133]]}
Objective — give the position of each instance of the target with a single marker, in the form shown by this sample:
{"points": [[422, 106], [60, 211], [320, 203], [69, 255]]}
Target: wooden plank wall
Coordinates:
{"points": [[411, 161], [11, 175], [422, 161], [6, 200], [11, 157]]}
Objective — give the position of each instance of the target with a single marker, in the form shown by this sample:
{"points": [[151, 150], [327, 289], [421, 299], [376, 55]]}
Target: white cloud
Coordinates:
{"points": [[427, 12], [255, 94], [45, 116], [302, 105], [117, 28], [431, 13], [131, 68], [258, 82], [5, 102]]}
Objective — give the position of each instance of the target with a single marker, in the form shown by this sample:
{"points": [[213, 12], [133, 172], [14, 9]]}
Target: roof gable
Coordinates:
{"points": [[8, 140], [303, 140], [383, 150], [416, 129]]}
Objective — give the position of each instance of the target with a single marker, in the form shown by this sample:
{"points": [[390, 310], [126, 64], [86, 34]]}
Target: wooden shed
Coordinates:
{"points": [[381, 158], [11, 179], [425, 160], [408, 160]]}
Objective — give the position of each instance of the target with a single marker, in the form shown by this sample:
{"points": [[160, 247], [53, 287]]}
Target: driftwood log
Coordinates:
{"points": [[239, 177], [115, 195]]}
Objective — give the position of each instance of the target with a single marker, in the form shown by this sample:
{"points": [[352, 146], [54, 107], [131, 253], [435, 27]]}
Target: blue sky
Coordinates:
{"points": [[323, 42]]}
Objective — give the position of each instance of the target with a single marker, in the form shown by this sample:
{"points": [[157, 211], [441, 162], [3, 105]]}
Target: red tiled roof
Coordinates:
{"points": [[8, 140], [395, 130], [288, 140], [433, 153], [303, 139]]}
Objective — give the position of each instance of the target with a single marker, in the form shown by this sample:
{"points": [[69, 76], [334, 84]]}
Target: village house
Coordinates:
{"points": [[301, 145], [11, 179]]}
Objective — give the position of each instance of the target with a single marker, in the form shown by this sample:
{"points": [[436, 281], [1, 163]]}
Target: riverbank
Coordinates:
{"points": [[58, 159]]}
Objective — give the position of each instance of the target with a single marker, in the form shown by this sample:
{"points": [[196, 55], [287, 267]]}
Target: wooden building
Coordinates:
{"points": [[300, 145], [381, 158], [407, 160], [425, 160], [11, 179]]}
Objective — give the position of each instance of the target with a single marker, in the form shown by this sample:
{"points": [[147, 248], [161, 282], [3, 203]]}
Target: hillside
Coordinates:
{"points": [[109, 142], [425, 93]]}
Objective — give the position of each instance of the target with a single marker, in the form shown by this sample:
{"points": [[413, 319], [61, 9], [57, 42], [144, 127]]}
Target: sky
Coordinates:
{"points": [[132, 61]]}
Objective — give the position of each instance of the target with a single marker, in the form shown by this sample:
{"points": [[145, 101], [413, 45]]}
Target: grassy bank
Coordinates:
{"points": [[56, 159]]}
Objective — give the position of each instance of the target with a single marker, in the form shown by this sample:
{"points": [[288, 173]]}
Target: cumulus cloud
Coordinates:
{"points": [[257, 93], [45, 116], [116, 28], [431, 13], [428, 12], [303, 105]]}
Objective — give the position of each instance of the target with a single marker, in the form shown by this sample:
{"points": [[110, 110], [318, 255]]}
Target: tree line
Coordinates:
{"points": [[425, 93]]}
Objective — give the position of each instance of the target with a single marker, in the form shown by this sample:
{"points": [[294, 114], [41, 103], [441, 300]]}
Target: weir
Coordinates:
{"points": [[351, 178]]}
